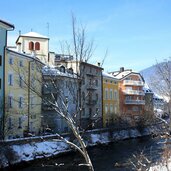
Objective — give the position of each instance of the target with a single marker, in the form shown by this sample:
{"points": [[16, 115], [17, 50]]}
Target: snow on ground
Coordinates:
{"points": [[100, 138], [27, 152], [161, 167]]}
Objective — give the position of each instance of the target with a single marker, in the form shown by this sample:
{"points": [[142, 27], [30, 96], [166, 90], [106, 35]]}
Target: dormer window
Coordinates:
{"points": [[62, 69], [70, 70], [37, 46], [31, 46]]}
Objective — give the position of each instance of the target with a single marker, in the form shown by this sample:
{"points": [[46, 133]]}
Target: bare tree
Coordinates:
{"points": [[160, 81]]}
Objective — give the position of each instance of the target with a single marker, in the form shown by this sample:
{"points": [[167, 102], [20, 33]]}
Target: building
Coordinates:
{"points": [[89, 91], [110, 99], [149, 103], [4, 28], [131, 94], [61, 84], [23, 82], [34, 44]]}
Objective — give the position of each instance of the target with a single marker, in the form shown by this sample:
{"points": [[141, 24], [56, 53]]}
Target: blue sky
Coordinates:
{"points": [[135, 32]]}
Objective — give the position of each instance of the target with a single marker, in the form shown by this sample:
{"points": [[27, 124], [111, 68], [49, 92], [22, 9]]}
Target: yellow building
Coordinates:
{"points": [[110, 99], [23, 78]]}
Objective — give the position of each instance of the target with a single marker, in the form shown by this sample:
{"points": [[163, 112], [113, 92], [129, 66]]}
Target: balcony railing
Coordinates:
{"points": [[91, 87], [136, 102], [91, 102], [134, 92], [132, 82]]}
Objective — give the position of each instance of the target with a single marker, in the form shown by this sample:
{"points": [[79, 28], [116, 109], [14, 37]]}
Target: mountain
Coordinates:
{"points": [[147, 73]]}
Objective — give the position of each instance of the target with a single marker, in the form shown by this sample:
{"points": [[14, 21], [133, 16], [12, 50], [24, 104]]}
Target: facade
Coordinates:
{"points": [[149, 103], [61, 84], [23, 78], [34, 44], [89, 91], [110, 99], [4, 28], [131, 94]]}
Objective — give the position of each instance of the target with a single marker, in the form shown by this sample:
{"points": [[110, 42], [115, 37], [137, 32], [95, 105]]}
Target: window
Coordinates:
{"points": [[32, 82], [106, 108], [83, 111], [10, 61], [111, 94], [135, 108], [37, 46], [90, 112], [32, 102], [83, 94], [10, 102], [83, 79], [97, 96], [31, 46], [96, 82], [9, 123], [21, 81], [10, 79], [20, 102], [32, 66], [115, 94], [19, 122], [33, 116], [21, 63], [97, 110], [111, 108], [115, 109], [62, 69], [0, 60], [106, 93]]}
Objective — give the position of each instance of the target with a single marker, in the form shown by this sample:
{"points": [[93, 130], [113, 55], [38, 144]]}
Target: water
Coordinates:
{"points": [[113, 157]]}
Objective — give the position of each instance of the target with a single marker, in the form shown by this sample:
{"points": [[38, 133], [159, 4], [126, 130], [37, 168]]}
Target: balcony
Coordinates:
{"points": [[91, 87], [134, 92], [135, 102], [91, 74], [49, 90], [47, 107], [134, 83], [91, 102]]}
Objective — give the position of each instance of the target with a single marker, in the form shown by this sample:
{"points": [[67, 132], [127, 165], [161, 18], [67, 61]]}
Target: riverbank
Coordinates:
{"points": [[28, 149]]}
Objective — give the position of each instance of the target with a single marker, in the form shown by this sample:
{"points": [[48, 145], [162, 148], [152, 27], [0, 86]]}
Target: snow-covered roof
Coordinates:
{"points": [[53, 71], [120, 75], [34, 34], [147, 89], [105, 74]]}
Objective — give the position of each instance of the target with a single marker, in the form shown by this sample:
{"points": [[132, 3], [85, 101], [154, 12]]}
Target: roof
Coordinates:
{"points": [[53, 71], [123, 74], [33, 35], [6, 25], [24, 55], [105, 74]]}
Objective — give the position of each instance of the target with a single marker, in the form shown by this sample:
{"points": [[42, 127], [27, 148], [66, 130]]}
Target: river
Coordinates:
{"points": [[116, 156]]}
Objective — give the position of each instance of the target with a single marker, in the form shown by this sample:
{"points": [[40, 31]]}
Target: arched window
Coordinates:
{"points": [[62, 69], [37, 46], [31, 46]]}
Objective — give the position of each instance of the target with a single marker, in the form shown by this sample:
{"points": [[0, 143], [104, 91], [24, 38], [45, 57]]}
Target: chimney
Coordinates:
{"points": [[121, 69], [98, 64]]}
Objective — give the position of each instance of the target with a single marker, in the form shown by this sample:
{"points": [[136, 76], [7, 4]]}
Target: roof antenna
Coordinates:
{"points": [[48, 29], [31, 30], [19, 32]]}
